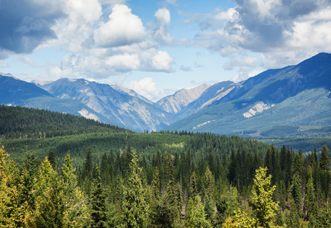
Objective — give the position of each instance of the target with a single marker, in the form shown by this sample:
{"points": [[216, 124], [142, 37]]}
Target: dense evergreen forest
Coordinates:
{"points": [[166, 189], [102, 176], [20, 122]]}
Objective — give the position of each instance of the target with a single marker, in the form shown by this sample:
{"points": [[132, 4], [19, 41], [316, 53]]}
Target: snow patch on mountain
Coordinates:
{"points": [[258, 108], [88, 115]]}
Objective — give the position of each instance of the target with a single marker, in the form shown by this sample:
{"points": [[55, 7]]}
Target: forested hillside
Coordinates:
{"points": [[19, 122], [96, 175]]}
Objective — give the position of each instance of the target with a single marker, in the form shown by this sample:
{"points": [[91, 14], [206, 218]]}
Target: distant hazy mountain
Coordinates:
{"points": [[15, 92], [176, 102], [292, 96], [125, 106]]}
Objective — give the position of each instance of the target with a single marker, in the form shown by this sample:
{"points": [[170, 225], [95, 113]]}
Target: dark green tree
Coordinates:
{"points": [[135, 207], [325, 158], [98, 204], [52, 159]]}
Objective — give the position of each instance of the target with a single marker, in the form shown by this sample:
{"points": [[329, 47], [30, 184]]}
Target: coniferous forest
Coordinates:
{"points": [[111, 178]]}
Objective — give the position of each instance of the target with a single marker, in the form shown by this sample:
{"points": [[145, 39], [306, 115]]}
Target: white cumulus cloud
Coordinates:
{"points": [[123, 28], [146, 87]]}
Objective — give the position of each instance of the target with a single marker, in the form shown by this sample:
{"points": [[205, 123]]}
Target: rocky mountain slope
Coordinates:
{"points": [[125, 106], [15, 92], [295, 95], [176, 102]]}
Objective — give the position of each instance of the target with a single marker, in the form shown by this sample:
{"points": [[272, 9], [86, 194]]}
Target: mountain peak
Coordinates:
{"points": [[174, 103]]}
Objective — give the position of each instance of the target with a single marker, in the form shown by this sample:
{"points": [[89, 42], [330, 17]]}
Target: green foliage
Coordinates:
{"points": [[261, 199], [325, 158], [162, 214], [19, 122], [191, 184], [98, 204], [195, 216], [135, 207]]}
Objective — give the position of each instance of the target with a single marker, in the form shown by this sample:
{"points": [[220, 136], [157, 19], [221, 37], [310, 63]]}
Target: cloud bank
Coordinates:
{"points": [[283, 32]]}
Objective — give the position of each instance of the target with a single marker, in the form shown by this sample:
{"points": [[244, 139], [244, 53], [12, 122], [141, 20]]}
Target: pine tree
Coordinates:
{"points": [[210, 210], [52, 159], [156, 184], [76, 211], [310, 199], [296, 192], [325, 158], [9, 211], [162, 214], [50, 207], [135, 207], [98, 204], [209, 182], [292, 218], [195, 215], [194, 187], [261, 199]]}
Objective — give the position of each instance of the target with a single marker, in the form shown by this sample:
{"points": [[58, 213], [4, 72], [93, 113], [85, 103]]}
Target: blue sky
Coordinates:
{"points": [[158, 47]]}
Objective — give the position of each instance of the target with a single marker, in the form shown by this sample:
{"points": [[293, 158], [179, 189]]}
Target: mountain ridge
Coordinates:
{"points": [[133, 111], [257, 103]]}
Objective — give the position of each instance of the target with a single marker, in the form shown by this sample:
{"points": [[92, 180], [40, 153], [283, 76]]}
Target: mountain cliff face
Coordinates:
{"points": [[208, 98], [125, 106], [294, 95], [176, 102]]}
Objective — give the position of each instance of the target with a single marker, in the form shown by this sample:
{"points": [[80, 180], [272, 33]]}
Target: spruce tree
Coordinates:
{"points": [[325, 158], [76, 211], [98, 204], [135, 207], [209, 182], [310, 200], [11, 212], [162, 214], [52, 159], [296, 192], [261, 199], [292, 218], [50, 207], [156, 184], [195, 214], [194, 187]]}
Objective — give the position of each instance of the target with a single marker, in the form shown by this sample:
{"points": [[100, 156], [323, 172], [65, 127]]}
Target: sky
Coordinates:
{"points": [[157, 47]]}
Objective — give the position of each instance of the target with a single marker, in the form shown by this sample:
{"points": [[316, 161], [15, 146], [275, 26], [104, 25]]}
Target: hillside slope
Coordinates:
{"points": [[295, 95], [131, 111], [15, 92], [21, 122]]}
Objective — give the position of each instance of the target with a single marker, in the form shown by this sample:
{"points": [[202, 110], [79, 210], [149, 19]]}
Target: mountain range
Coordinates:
{"points": [[274, 101], [295, 96]]}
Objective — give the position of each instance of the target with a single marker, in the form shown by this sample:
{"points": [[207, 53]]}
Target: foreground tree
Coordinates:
{"points": [[261, 199], [10, 210], [261, 203], [98, 203], [135, 207], [50, 207], [195, 215], [76, 211]]}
